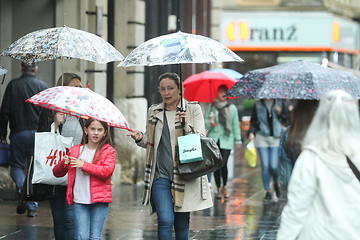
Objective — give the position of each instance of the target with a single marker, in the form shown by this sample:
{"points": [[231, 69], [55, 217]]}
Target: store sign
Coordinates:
{"points": [[317, 31], [267, 33]]}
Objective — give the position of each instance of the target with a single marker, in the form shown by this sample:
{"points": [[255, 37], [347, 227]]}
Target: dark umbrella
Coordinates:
{"points": [[294, 80]]}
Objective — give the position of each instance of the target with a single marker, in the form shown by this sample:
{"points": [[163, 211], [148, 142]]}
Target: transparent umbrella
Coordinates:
{"points": [[178, 48], [62, 43]]}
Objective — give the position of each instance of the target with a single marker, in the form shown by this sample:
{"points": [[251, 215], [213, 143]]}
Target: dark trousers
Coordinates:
{"points": [[21, 151], [63, 215], [223, 171]]}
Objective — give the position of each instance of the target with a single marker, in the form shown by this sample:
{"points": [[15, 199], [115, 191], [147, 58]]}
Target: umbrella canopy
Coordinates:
{"points": [[3, 70], [228, 72], [294, 80], [81, 103], [202, 87], [63, 43], [178, 48]]}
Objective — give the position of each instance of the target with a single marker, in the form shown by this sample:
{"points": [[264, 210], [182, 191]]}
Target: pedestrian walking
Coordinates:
{"points": [[291, 139], [67, 126], [324, 191], [23, 119], [222, 123], [171, 197], [265, 124], [89, 166]]}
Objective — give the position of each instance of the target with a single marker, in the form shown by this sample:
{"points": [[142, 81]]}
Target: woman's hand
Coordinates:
{"points": [[183, 120], [74, 162], [136, 135], [251, 137]]}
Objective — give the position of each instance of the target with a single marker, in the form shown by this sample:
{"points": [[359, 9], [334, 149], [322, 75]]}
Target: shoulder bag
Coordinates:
{"points": [[212, 160]]}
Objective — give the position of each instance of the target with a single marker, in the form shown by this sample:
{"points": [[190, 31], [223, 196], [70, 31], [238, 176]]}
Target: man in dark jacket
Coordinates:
{"points": [[23, 119]]}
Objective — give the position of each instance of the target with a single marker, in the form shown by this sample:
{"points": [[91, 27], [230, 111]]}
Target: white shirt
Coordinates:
{"points": [[82, 180]]}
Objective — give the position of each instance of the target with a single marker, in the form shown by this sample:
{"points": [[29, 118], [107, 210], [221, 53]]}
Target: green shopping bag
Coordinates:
{"points": [[190, 148]]}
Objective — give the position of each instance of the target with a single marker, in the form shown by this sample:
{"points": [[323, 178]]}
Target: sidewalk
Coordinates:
{"points": [[242, 216]]}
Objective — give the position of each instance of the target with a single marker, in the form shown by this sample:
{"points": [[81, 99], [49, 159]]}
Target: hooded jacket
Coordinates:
{"points": [[100, 173], [323, 198]]}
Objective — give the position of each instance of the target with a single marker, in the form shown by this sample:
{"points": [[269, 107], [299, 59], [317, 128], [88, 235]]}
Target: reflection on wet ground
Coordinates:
{"points": [[242, 216]]}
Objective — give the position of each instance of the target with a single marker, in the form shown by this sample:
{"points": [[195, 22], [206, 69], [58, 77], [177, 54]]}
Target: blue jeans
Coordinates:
{"points": [[161, 200], [21, 151], [269, 157], [90, 220], [63, 215]]}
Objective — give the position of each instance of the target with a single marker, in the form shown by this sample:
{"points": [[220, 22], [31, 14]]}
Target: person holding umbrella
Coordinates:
{"points": [[222, 121], [90, 166], [265, 124], [171, 197], [67, 126]]}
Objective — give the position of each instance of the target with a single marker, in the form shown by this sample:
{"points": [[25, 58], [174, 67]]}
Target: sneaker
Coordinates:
{"points": [[31, 213], [21, 207], [267, 196], [277, 189], [224, 192]]}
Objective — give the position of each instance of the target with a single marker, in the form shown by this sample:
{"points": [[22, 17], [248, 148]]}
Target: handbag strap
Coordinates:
{"points": [[353, 168]]}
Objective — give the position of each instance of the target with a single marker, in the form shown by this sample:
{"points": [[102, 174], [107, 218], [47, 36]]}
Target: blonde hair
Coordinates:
{"points": [[335, 127]]}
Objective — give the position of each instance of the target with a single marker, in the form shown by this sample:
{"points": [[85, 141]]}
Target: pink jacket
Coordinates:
{"points": [[100, 173]]}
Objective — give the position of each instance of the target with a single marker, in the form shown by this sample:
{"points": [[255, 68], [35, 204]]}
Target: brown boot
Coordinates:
{"points": [[224, 192]]}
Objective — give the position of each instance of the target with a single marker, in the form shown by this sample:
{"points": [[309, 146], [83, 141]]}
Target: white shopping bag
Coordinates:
{"points": [[50, 148]]}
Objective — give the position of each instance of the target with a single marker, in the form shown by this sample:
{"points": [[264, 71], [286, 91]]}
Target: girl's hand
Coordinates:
{"points": [[66, 160], [136, 135], [78, 163]]}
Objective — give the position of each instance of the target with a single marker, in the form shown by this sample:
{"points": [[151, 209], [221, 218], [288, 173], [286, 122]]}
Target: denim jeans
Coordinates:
{"points": [[223, 171], [90, 220], [269, 157], [21, 151], [63, 215], [161, 200]]}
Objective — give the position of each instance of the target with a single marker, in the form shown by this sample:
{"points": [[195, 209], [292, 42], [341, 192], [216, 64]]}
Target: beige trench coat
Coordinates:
{"points": [[197, 195]]}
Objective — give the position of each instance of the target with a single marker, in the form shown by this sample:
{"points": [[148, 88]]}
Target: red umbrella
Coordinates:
{"points": [[202, 87]]}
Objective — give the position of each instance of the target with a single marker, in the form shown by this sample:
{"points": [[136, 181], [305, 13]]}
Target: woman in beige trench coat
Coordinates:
{"points": [[171, 197]]}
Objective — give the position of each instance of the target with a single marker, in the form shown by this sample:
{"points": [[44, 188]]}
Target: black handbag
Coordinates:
{"points": [[35, 192], [212, 161]]}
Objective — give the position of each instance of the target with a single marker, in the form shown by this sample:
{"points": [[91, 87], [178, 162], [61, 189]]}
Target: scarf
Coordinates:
{"points": [[178, 185], [224, 115]]}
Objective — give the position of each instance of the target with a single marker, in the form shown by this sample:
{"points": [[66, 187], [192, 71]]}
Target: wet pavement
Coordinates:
{"points": [[243, 215]]}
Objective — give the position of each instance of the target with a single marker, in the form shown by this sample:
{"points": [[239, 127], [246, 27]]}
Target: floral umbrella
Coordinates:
{"points": [[203, 87], [294, 80], [178, 48], [81, 103], [62, 43]]}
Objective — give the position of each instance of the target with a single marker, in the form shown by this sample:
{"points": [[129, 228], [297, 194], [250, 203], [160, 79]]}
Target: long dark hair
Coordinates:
{"points": [[300, 119], [66, 78], [105, 140]]}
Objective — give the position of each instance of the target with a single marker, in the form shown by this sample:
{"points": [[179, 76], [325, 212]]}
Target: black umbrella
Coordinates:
{"points": [[294, 80]]}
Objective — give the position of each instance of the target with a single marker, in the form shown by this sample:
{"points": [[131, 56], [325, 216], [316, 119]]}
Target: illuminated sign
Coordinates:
{"points": [[245, 33]]}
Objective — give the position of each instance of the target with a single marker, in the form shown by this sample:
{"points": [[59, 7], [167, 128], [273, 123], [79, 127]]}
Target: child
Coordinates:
{"points": [[89, 167]]}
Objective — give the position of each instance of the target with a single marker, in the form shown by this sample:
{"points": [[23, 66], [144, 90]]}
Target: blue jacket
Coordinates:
{"points": [[264, 123]]}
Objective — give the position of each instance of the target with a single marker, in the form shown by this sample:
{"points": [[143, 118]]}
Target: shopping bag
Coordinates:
{"points": [[250, 154], [190, 148], [50, 148]]}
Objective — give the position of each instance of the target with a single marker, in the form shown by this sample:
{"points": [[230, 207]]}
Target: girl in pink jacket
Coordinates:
{"points": [[89, 167]]}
